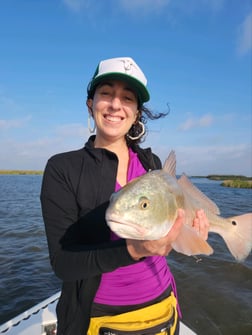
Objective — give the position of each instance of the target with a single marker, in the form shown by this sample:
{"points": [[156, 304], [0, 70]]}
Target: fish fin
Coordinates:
{"points": [[190, 243], [194, 192], [239, 238], [170, 164]]}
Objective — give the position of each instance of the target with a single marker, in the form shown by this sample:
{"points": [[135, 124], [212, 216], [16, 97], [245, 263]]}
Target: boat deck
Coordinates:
{"points": [[41, 320]]}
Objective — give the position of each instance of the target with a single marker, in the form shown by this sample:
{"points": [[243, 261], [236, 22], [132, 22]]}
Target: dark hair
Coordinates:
{"points": [[143, 116]]}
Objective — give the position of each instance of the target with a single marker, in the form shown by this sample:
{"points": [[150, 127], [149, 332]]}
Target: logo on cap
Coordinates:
{"points": [[127, 66]]}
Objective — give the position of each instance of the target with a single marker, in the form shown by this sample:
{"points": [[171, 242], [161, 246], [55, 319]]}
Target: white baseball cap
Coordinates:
{"points": [[121, 68]]}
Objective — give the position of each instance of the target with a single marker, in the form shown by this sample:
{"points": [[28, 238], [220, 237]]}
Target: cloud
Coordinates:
{"points": [[204, 121], [71, 130], [225, 159], [143, 5], [182, 5], [76, 5], [191, 7], [30, 155], [215, 5], [245, 35], [8, 104], [14, 123], [192, 159], [33, 154], [211, 159], [147, 6], [136, 6]]}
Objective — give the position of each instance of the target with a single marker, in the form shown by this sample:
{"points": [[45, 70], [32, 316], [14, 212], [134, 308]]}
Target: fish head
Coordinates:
{"points": [[144, 209]]}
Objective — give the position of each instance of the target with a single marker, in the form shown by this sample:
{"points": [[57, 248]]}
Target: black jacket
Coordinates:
{"points": [[75, 193]]}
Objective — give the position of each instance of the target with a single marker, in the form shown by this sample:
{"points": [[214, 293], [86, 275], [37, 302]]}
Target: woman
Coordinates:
{"points": [[110, 285]]}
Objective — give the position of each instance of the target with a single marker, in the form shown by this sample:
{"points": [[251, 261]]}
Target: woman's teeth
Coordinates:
{"points": [[113, 118]]}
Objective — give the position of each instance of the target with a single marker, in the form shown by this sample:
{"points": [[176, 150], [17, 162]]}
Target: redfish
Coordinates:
{"points": [[146, 209]]}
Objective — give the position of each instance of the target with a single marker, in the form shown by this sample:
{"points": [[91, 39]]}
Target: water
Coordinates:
{"points": [[26, 276], [215, 292]]}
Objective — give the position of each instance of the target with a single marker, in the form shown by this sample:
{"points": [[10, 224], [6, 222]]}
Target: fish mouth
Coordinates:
{"points": [[127, 229]]}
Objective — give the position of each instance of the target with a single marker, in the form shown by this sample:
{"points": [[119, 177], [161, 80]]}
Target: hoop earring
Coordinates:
{"points": [[139, 135], [91, 129]]}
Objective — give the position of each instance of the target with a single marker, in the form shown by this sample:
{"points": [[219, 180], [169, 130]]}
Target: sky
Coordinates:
{"points": [[196, 55]]}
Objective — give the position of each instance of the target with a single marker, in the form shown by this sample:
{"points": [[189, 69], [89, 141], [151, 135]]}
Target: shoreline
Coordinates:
{"points": [[235, 181], [21, 172]]}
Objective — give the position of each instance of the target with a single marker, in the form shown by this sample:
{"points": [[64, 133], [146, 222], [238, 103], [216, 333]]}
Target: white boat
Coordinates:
{"points": [[41, 320]]}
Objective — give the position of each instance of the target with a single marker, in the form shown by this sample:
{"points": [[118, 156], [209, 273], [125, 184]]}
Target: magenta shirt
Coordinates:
{"points": [[140, 282]]}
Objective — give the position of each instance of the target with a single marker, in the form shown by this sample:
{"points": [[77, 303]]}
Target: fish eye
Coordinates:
{"points": [[144, 203]]}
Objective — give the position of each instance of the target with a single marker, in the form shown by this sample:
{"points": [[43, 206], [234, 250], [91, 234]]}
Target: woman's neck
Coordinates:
{"points": [[121, 150], [119, 147]]}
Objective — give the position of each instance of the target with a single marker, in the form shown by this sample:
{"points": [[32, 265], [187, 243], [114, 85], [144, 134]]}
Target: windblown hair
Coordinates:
{"points": [[143, 116]]}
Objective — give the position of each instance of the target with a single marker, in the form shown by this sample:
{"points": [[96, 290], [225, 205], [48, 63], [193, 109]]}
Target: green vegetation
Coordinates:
{"points": [[21, 172], [233, 181], [237, 183], [228, 177]]}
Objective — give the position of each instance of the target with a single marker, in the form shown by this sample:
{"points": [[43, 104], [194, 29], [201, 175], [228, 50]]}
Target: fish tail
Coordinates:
{"points": [[239, 238]]}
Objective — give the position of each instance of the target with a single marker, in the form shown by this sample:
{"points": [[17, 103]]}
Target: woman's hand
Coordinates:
{"points": [[162, 247]]}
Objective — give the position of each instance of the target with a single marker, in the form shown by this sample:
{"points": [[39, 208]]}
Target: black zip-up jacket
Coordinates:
{"points": [[75, 193]]}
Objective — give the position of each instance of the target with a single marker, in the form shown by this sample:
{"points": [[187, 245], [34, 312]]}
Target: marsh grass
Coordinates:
{"points": [[237, 183], [21, 172]]}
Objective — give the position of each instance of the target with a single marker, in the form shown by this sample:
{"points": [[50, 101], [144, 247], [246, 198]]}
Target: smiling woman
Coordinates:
{"points": [[108, 279]]}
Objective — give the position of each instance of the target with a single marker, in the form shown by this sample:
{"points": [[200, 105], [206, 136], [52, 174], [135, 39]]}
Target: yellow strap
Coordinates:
{"points": [[140, 319]]}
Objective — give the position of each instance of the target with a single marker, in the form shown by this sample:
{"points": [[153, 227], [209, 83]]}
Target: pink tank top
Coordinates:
{"points": [[140, 282]]}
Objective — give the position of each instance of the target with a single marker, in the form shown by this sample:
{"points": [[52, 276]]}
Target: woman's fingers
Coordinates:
{"points": [[201, 224]]}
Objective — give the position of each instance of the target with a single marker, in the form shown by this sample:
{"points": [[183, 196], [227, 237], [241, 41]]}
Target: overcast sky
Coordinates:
{"points": [[195, 54]]}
